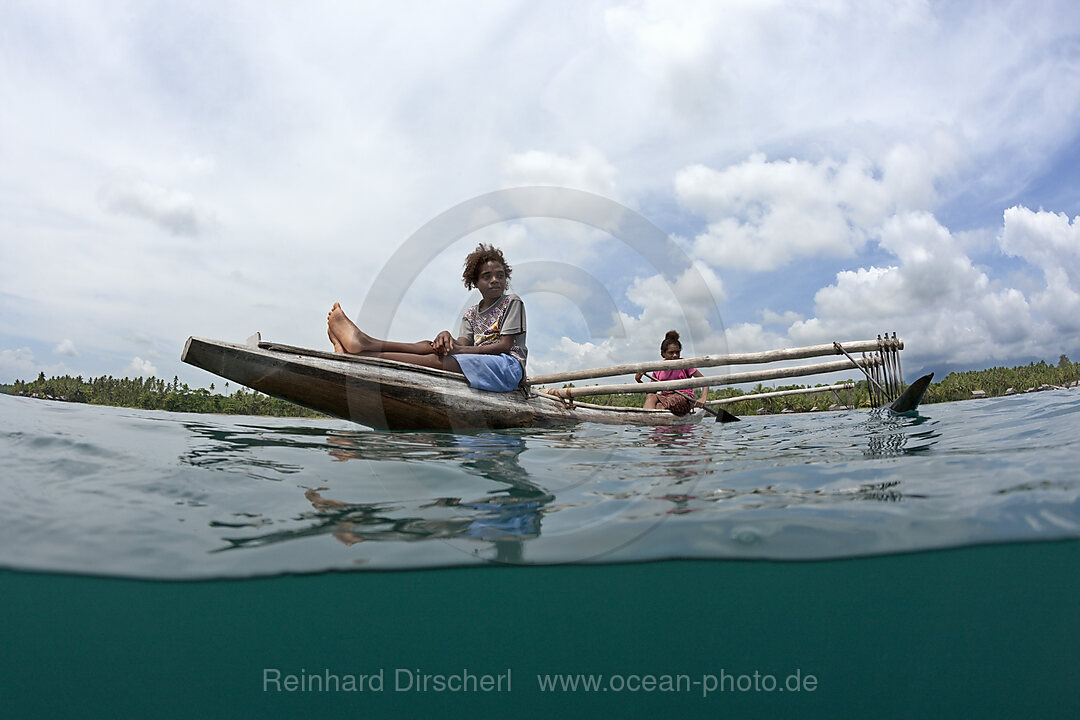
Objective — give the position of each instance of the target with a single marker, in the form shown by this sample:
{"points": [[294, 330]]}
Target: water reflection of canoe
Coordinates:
{"points": [[390, 395]]}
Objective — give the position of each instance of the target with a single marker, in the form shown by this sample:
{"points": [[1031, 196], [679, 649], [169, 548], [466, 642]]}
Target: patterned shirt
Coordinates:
{"points": [[506, 316]]}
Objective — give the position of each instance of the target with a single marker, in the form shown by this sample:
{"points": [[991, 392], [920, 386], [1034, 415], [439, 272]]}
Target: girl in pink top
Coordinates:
{"points": [[679, 402]]}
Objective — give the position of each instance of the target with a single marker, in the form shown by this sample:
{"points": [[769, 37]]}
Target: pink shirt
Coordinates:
{"points": [[662, 375]]}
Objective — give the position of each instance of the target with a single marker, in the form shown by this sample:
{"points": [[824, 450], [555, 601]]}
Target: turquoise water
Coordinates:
{"points": [[165, 565]]}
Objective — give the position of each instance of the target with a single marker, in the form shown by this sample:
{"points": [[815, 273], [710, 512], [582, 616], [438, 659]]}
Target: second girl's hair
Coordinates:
{"points": [[672, 338], [476, 259]]}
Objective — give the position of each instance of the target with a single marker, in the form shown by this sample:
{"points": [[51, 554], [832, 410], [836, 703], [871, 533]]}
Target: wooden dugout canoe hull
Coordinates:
{"points": [[389, 395]]}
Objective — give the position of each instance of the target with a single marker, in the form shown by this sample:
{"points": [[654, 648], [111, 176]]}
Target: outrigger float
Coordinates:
{"points": [[389, 395]]}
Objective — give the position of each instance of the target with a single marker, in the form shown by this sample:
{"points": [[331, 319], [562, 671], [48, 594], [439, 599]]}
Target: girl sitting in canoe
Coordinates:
{"points": [[489, 349], [679, 402]]}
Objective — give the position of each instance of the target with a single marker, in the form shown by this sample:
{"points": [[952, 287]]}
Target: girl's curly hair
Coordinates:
{"points": [[672, 338], [476, 259]]}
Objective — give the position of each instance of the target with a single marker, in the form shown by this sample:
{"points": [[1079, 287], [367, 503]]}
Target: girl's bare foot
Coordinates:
{"points": [[334, 341], [344, 334], [330, 333]]}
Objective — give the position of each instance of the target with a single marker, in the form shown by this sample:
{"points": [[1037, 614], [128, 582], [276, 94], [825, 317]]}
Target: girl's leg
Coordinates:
{"points": [[348, 338], [343, 333], [651, 401], [441, 362]]}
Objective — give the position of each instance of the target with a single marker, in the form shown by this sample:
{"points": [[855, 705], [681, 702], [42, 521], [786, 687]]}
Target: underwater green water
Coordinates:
{"points": [[980, 632], [828, 565]]}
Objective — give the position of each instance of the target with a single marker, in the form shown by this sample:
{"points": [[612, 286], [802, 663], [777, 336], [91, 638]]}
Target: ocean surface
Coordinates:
{"points": [[180, 565]]}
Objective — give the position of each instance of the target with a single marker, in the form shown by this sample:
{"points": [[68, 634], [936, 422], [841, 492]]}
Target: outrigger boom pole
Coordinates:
{"points": [[730, 379]]}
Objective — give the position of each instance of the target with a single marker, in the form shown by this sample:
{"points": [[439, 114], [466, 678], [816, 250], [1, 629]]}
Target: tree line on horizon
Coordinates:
{"points": [[154, 394]]}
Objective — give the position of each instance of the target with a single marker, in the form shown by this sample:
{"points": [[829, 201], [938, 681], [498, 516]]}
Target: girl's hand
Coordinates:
{"points": [[639, 376], [443, 343]]}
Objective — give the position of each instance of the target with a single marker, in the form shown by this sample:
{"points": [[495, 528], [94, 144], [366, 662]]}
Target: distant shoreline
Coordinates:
{"points": [[154, 394]]}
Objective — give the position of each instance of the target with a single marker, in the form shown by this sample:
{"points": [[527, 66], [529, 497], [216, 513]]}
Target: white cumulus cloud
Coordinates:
{"points": [[589, 171], [764, 214], [140, 368], [933, 296], [1050, 242], [66, 347], [18, 363]]}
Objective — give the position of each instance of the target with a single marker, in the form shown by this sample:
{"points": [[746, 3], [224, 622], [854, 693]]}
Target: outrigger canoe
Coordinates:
{"points": [[389, 395]]}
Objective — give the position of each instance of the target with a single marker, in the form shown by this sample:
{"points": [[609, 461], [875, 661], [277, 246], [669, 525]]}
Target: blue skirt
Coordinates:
{"points": [[500, 373]]}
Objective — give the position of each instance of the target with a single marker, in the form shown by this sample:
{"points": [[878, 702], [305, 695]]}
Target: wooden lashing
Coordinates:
{"points": [[883, 374], [873, 386], [899, 368], [899, 373], [563, 395], [890, 353], [884, 379], [893, 375], [872, 382]]}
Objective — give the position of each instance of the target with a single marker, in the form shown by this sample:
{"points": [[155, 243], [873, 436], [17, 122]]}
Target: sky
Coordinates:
{"points": [[756, 174]]}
